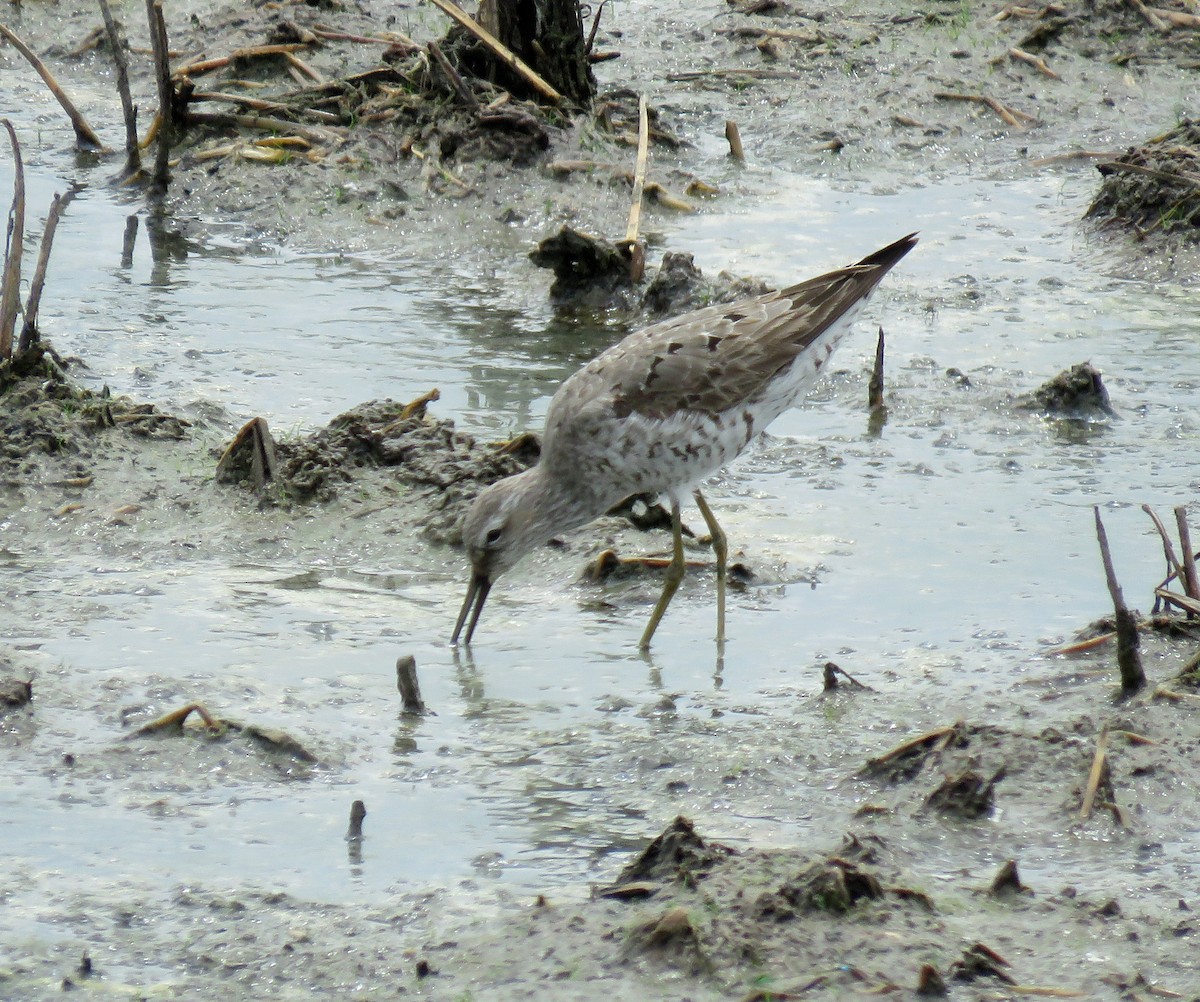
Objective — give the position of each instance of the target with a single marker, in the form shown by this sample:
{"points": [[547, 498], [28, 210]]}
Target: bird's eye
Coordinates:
{"points": [[493, 536]]}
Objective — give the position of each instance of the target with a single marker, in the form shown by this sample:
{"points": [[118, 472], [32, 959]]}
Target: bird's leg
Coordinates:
{"points": [[721, 552], [675, 571]]}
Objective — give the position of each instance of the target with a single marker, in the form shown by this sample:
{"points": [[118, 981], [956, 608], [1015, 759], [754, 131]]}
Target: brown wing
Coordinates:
{"points": [[715, 358]]}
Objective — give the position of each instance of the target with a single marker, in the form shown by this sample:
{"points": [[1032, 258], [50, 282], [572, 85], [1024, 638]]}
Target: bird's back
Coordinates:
{"points": [[672, 403]]}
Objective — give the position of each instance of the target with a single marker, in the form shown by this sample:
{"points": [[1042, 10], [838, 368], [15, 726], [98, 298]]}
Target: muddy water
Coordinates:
{"points": [[933, 558]]}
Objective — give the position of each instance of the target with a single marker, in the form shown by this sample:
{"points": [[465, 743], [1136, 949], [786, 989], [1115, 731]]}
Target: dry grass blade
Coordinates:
{"points": [[1096, 774], [636, 251], [1083, 646], [1037, 62], [10, 289], [84, 135]]}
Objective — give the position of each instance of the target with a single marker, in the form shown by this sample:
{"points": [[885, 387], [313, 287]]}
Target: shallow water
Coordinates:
{"points": [[946, 549]]}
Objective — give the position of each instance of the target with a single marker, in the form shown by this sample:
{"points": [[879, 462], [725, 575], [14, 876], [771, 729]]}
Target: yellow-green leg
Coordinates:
{"points": [[675, 572], [721, 552]]}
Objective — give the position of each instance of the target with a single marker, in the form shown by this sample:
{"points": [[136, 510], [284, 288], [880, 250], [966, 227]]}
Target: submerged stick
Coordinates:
{"points": [[166, 95], [875, 387], [1168, 548], [1190, 584], [10, 286], [1133, 677], [29, 331], [133, 160], [84, 134], [358, 811], [734, 137], [406, 682], [1015, 118]]}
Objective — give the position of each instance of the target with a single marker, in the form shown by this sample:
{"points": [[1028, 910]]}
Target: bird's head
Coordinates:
{"points": [[505, 522]]}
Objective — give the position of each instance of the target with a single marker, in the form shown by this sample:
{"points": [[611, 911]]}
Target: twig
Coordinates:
{"points": [[314, 134], [1096, 774], [1133, 677], [304, 68], [261, 104], [424, 157], [84, 135], [452, 75], [1168, 549], [166, 95], [177, 718], [133, 161], [10, 287], [830, 674], [29, 331], [1152, 19], [1071, 155], [1015, 118], [250, 52], [1190, 583], [1189, 605], [734, 73], [591, 39], [734, 137], [323, 31], [1037, 62], [937, 740], [499, 50], [637, 252]]}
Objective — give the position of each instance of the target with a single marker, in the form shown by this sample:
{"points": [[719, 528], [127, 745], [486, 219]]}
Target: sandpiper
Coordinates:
{"points": [[661, 411]]}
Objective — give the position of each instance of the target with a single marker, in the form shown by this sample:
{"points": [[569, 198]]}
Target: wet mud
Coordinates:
{"points": [[876, 911]]}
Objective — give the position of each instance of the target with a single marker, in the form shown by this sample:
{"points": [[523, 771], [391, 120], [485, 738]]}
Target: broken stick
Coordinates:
{"points": [[1133, 677], [84, 134]]}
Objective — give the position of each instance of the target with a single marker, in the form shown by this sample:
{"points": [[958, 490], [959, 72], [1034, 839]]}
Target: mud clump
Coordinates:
{"points": [[591, 273], [422, 452], [15, 693], [833, 885], [678, 854], [966, 794], [1154, 189], [1077, 392], [906, 761], [45, 413]]}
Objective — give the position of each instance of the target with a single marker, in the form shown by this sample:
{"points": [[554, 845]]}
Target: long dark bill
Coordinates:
{"points": [[477, 593]]}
